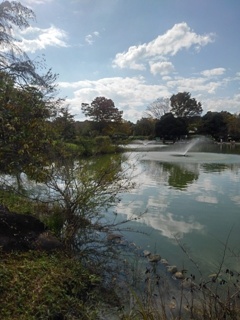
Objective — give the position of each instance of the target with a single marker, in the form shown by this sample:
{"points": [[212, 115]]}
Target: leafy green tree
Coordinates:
{"points": [[64, 125], [144, 127], [182, 105], [214, 124], [27, 98], [158, 108], [169, 127], [103, 113], [25, 137], [233, 124], [83, 128], [193, 124], [125, 128]]}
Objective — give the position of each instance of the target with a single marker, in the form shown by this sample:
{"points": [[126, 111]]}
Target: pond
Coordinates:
{"points": [[186, 204], [193, 200]]}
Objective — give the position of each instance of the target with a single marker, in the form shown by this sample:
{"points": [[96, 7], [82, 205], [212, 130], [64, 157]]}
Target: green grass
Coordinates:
{"points": [[35, 285], [16, 203]]}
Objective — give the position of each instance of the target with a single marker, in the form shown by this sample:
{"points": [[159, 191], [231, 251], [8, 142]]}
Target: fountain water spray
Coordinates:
{"points": [[190, 145]]}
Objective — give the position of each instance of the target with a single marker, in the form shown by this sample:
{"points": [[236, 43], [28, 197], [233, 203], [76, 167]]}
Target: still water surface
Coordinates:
{"points": [[194, 198]]}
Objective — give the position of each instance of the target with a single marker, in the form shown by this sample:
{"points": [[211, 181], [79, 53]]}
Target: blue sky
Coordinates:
{"points": [[136, 51]]}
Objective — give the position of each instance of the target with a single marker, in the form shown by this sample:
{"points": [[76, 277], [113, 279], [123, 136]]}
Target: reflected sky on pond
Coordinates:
{"points": [[196, 201]]}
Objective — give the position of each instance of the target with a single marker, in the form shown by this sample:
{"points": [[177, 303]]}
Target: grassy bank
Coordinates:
{"points": [[36, 285]]}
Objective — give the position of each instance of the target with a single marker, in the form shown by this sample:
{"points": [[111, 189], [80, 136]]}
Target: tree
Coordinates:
{"points": [[221, 125], [233, 124], [144, 127], [182, 105], [103, 113], [27, 99], [64, 125], [126, 128], [13, 60], [169, 127], [214, 124], [158, 108], [25, 137]]}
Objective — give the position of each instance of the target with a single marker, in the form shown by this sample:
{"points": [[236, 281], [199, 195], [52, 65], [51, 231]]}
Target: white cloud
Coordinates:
{"points": [[128, 60], [194, 85], [169, 225], [207, 199], [219, 104], [169, 44], [33, 39], [237, 97], [236, 199], [213, 72], [32, 2], [90, 38], [131, 95], [162, 68], [166, 78]]}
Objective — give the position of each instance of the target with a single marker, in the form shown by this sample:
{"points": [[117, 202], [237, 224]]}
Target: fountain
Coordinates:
{"points": [[190, 145], [183, 153]]}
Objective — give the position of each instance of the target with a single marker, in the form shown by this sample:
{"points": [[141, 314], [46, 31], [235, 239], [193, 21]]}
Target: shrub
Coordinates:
{"points": [[104, 145]]}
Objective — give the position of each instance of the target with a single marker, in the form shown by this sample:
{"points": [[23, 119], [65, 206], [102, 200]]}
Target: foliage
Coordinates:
{"points": [[169, 127], [193, 124], [35, 285], [103, 113], [15, 202], [102, 109], [25, 137], [82, 147], [49, 214], [81, 192], [64, 125], [214, 124], [87, 145], [103, 145], [83, 128], [233, 124], [26, 99], [13, 60], [182, 105], [145, 127], [125, 128], [221, 125], [158, 108]]}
